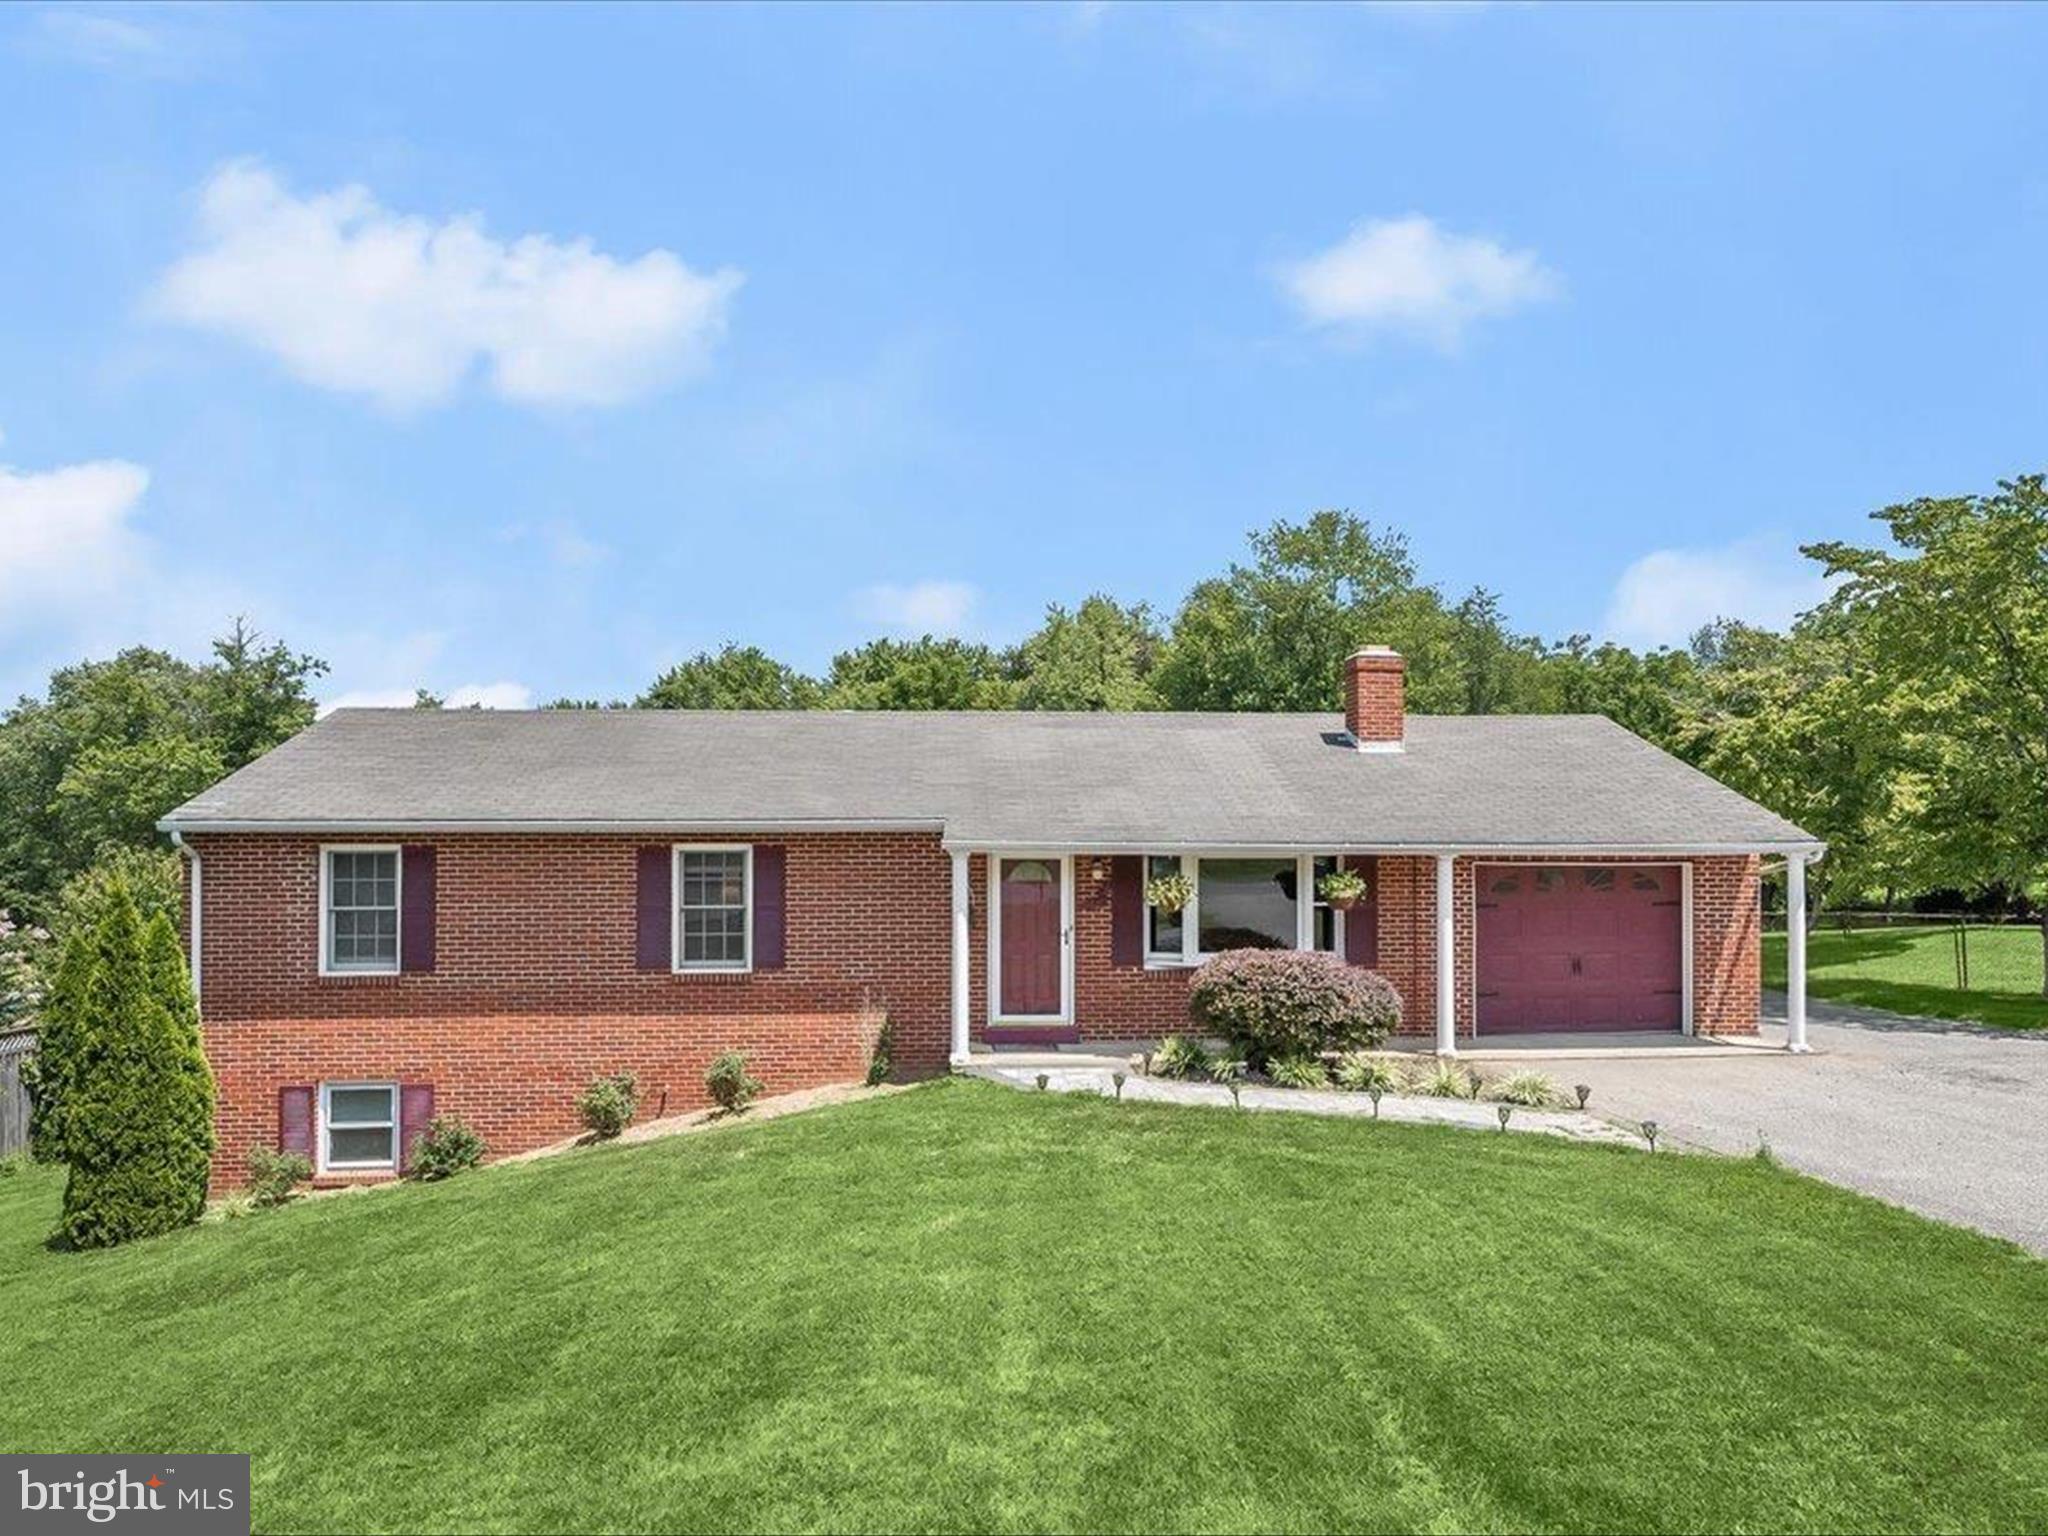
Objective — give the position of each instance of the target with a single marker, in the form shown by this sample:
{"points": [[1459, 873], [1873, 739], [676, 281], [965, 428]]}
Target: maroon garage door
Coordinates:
{"points": [[1579, 946]]}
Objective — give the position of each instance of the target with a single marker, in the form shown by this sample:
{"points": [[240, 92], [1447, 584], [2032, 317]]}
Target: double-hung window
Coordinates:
{"points": [[359, 911], [358, 1125], [714, 909]]}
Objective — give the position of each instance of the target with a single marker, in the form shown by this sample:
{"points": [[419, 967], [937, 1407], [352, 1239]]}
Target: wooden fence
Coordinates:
{"points": [[14, 1050]]}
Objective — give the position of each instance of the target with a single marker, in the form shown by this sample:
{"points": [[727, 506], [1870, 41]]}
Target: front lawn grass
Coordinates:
{"points": [[1913, 970], [965, 1307]]}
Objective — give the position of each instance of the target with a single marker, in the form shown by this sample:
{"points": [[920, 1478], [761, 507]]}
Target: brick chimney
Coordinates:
{"points": [[1375, 698]]}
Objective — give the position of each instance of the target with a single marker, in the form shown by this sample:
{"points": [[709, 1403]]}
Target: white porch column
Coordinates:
{"points": [[1446, 957], [963, 953], [1795, 952]]}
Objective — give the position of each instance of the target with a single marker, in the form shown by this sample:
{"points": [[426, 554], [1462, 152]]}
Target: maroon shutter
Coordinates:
{"points": [[416, 917], [1362, 922], [295, 1120], [1127, 910], [654, 935], [415, 1114], [770, 884]]}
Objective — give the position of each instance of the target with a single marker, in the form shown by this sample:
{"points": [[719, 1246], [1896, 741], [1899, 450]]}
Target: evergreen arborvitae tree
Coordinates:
{"points": [[134, 1094], [45, 1072]]}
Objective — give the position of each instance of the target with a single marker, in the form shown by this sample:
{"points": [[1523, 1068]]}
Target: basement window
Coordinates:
{"points": [[358, 1125]]}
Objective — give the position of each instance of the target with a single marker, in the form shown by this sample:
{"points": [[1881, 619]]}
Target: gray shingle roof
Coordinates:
{"points": [[1011, 779]]}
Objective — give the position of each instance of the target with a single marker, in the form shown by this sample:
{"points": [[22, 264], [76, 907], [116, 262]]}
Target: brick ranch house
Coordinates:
{"points": [[405, 912]]}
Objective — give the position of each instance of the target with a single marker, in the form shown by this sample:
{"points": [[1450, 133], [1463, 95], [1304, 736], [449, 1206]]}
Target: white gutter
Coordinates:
{"points": [[355, 824], [1811, 850], [198, 902]]}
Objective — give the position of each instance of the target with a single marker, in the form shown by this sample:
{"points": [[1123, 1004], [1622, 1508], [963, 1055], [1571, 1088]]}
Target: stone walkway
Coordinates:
{"points": [[1482, 1116]]}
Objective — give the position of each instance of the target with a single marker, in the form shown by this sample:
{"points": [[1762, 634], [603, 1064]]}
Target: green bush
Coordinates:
{"points": [[607, 1105], [1531, 1090], [445, 1148], [133, 1094], [1178, 1056], [1298, 1072], [1443, 1080], [882, 1057], [728, 1083], [1363, 1072], [1225, 1068], [274, 1176], [1285, 1002]]}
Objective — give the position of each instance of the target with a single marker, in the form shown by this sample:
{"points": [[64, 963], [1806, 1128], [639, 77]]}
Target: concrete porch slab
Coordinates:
{"points": [[1660, 1045]]}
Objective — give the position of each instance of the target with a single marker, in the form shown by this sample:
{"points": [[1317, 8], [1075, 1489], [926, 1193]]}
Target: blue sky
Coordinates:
{"points": [[521, 352]]}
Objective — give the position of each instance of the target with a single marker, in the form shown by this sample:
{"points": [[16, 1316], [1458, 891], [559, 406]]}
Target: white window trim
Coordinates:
{"points": [[325, 1121], [327, 965], [1191, 952], [677, 965], [995, 944]]}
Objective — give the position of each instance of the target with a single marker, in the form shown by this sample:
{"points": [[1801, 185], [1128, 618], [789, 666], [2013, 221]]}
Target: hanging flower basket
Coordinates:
{"points": [[1342, 888], [1169, 893]]}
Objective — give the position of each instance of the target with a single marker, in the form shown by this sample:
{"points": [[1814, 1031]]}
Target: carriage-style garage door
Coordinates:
{"points": [[1579, 946]]}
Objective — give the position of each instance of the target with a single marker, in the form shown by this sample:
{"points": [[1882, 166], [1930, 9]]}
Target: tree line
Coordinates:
{"points": [[1904, 720]]}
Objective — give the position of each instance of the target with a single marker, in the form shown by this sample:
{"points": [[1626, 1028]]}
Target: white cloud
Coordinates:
{"points": [[491, 696], [921, 608], [565, 544], [93, 38], [69, 539], [469, 695], [368, 698], [353, 297], [1668, 594], [1410, 277]]}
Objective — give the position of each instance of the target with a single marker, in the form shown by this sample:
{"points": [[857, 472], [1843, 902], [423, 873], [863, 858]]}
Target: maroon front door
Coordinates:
{"points": [[1579, 946], [1032, 897]]}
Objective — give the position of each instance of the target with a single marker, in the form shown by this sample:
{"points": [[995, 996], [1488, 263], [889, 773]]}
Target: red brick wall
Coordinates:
{"points": [[1126, 1002], [536, 991]]}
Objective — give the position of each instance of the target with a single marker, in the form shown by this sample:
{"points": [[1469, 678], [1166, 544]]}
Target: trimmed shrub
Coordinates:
{"points": [[606, 1106], [445, 1148], [1362, 1072], [1298, 1072], [1178, 1056], [729, 1084], [1531, 1090], [1284, 1002], [1443, 1080], [274, 1176], [134, 1107]]}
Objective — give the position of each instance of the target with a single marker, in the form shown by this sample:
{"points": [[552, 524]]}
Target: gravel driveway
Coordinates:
{"points": [[1948, 1119]]}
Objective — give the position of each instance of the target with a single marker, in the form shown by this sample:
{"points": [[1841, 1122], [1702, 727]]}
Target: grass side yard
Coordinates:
{"points": [[966, 1307], [1913, 970]]}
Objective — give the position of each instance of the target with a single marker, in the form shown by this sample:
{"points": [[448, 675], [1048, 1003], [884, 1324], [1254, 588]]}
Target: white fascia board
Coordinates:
{"points": [[358, 825], [1479, 850]]}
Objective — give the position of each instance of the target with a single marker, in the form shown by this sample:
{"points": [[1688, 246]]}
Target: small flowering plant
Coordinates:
{"points": [[1169, 893], [1342, 888]]}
